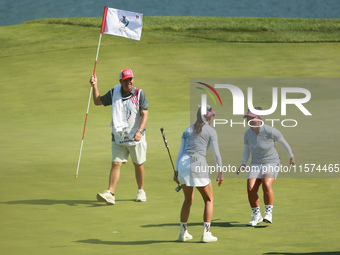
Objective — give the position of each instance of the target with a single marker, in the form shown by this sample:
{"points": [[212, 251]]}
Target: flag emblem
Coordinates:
{"points": [[124, 22]]}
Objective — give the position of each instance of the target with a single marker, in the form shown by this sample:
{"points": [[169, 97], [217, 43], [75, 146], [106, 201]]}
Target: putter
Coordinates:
{"points": [[239, 170], [179, 187]]}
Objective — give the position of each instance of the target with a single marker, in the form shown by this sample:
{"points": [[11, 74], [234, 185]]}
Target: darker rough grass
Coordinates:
{"points": [[228, 29]]}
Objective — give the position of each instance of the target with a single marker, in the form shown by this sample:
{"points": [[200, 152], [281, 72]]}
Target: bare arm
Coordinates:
{"points": [[96, 95], [142, 125]]}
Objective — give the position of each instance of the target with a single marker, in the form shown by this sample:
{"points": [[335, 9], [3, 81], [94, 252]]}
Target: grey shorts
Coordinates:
{"points": [[258, 170], [120, 153]]}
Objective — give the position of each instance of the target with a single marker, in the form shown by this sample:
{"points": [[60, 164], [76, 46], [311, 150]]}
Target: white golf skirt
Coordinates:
{"points": [[193, 174]]}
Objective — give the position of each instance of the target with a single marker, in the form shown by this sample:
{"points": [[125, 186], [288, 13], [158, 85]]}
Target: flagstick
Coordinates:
{"points": [[88, 106], [82, 141]]}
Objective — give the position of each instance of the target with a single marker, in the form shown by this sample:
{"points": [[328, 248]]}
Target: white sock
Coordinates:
{"points": [[184, 226], [269, 208], [206, 227], [256, 210]]}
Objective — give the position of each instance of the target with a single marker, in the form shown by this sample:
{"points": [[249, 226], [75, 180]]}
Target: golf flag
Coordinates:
{"points": [[122, 23]]}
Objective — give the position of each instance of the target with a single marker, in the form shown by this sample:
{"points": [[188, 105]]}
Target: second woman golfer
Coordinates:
{"points": [[259, 140], [192, 171]]}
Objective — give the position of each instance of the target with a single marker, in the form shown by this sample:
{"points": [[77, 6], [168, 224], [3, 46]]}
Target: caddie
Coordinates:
{"points": [[129, 118]]}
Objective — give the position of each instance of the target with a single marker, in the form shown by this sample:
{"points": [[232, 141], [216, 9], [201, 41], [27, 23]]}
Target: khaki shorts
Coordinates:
{"points": [[120, 153]]}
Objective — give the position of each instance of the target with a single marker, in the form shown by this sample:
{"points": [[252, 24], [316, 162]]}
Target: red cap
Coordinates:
{"points": [[125, 73], [210, 113], [250, 114]]}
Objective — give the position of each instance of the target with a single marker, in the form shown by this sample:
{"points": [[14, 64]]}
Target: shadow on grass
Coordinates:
{"points": [[305, 253], [89, 203], [231, 224], [97, 241]]}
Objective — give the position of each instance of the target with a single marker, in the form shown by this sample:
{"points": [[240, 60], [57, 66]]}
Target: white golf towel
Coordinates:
{"points": [[119, 122]]}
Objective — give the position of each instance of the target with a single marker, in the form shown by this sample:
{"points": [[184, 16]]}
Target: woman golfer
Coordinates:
{"points": [[259, 140], [192, 171]]}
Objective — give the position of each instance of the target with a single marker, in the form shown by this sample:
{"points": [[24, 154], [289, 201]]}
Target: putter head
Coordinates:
{"points": [[239, 169]]}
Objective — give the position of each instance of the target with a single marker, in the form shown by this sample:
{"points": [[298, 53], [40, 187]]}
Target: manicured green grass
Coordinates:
{"points": [[45, 71]]}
